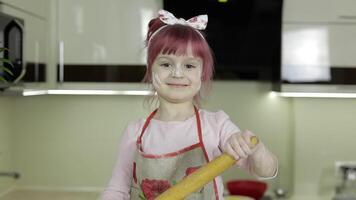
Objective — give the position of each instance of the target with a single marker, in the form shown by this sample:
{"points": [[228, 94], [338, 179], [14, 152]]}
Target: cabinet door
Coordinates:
{"points": [[343, 11], [102, 37], [35, 36], [35, 7], [305, 53], [319, 53], [320, 11], [343, 45], [307, 10]]}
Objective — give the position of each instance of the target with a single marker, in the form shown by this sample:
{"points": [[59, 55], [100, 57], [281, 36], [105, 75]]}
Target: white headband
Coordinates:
{"points": [[198, 23]]}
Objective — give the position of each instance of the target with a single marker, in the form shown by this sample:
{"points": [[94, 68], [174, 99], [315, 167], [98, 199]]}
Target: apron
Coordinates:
{"points": [[153, 174]]}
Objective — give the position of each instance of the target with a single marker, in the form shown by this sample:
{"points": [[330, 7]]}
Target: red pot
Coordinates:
{"points": [[251, 188]]}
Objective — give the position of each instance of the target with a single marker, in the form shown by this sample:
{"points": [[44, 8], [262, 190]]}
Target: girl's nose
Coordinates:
{"points": [[177, 72]]}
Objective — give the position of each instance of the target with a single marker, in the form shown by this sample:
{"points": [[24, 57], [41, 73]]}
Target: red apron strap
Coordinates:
{"points": [[200, 134], [139, 139], [197, 117]]}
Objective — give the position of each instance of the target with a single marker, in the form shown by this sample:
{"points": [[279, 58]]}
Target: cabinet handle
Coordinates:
{"points": [[37, 61], [61, 62], [350, 17]]}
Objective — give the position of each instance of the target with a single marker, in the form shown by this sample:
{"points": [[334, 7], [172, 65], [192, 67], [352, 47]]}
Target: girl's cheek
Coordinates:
{"points": [[199, 79], [199, 86], [156, 81]]}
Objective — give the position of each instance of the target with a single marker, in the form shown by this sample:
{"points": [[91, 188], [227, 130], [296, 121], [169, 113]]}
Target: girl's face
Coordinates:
{"points": [[177, 79]]}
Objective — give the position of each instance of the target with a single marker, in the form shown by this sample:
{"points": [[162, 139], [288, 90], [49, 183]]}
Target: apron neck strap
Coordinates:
{"points": [[148, 120], [197, 117], [139, 140]]}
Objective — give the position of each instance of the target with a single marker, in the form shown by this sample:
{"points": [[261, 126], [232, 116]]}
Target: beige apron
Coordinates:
{"points": [[153, 174]]}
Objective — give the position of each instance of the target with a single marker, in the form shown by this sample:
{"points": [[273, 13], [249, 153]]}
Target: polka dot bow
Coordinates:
{"points": [[198, 22]]}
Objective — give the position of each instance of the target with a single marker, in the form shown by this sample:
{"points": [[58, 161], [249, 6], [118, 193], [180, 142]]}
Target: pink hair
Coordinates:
{"points": [[174, 39]]}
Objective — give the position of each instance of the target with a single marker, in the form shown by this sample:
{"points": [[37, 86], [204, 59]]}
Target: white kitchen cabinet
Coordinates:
{"points": [[319, 41], [325, 44], [86, 33], [343, 11], [342, 45], [34, 7], [310, 52], [305, 53], [33, 13], [318, 46], [319, 11], [306, 10], [104, 32]]}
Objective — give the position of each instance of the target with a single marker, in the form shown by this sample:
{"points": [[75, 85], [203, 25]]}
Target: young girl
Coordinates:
{"points": [[179, 137]]}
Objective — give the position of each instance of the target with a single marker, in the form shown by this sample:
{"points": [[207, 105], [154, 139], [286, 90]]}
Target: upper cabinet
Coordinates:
{"points": [[36, 7], [105, 32], [103, 41], [343, 45], [329, 11], [319, 42], [34, 15], [83, 40]]}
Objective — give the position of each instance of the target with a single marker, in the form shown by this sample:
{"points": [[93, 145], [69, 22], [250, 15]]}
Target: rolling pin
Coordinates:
{"points": [[202, 176]]}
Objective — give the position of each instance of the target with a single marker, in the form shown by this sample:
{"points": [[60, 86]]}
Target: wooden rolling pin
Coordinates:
{"points": [[202, 176]]}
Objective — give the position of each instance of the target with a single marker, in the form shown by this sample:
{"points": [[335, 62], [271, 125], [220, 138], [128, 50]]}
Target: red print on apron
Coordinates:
{"points": [[153, 174]]}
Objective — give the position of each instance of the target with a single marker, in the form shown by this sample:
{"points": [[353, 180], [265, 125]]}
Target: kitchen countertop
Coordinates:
{"points": [[311, 197], [237, 197]]}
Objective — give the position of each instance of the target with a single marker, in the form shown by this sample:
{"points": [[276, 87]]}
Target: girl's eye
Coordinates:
{"points": [[189, 66], [165, 65]]}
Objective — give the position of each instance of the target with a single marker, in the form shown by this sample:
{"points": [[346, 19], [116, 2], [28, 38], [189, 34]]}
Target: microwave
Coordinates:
{"points": [[12, 38]]}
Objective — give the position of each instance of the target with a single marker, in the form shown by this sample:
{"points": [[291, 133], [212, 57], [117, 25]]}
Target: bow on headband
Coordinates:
{"points": [[198, 22]]}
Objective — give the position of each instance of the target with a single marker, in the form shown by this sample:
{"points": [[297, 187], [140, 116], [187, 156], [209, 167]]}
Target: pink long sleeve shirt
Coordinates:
{"points": [[163, 137]]}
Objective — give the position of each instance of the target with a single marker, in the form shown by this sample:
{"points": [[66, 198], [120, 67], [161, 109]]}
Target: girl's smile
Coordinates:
{"points": [[177, 78], [179, 85]]}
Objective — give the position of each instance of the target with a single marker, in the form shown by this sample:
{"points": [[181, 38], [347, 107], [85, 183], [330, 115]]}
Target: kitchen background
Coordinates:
{"points": [[69, 142]]}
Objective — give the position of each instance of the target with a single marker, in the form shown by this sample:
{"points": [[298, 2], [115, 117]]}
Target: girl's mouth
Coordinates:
{"points": [[177, 85]]}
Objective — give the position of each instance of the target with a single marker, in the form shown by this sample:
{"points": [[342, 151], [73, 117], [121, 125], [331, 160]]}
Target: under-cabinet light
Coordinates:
{"points": [[317, 95], [85, 92], [34, 92], [99, 92]]}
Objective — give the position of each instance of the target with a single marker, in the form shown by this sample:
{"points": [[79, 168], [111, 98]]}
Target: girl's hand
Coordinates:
{"points": [[239, 145], [263, 163]]}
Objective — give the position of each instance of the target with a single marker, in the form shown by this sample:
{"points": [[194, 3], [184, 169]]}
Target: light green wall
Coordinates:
{"points": [[324, 133], [6, 156], [251, 106], [71, 141]]}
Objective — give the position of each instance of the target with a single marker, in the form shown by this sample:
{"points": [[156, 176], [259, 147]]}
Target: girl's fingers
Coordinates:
{"points": [[237, 147], [229, 150], [245, 147], [247, 135]]}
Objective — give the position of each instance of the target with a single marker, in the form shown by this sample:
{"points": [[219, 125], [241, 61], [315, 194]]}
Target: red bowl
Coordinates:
{"points": [[250, 188]]}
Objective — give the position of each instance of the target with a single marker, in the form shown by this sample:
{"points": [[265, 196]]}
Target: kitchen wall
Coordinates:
{"points": [[324, 133], [71, 141], [6, 150], [252, 107]]}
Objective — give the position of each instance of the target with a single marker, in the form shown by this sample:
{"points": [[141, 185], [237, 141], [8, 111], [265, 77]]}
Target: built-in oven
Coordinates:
{"points": [[12, 38]]}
